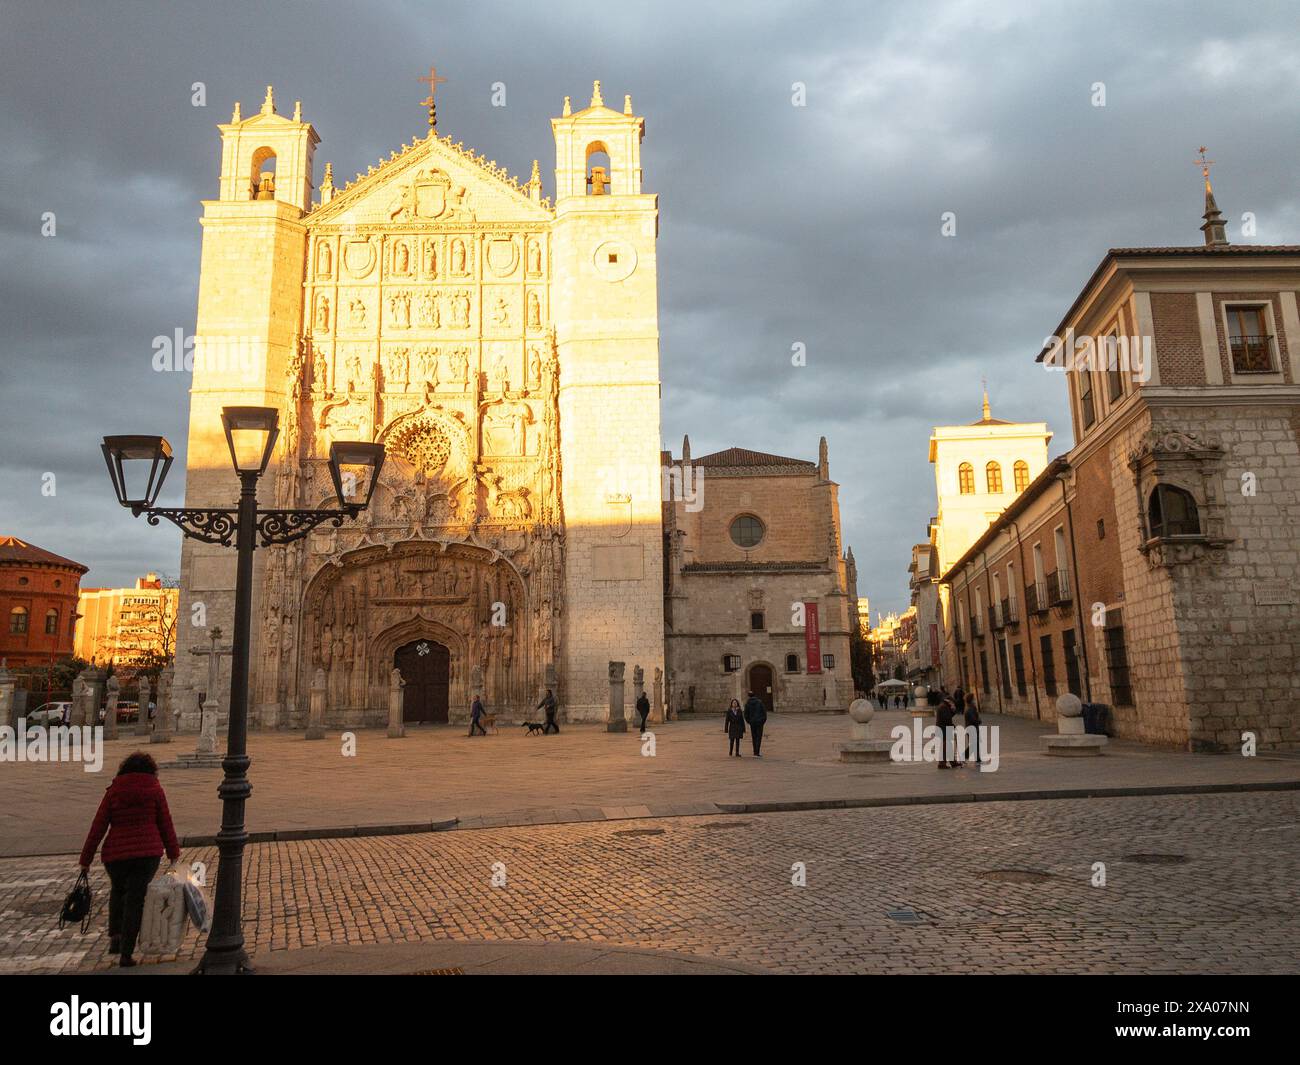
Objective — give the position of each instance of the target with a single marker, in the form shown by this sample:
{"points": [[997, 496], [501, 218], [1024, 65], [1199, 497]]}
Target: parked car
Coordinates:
{"points": [[48, 714]]}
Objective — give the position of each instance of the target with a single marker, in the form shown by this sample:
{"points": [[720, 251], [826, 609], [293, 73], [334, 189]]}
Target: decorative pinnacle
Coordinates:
{"points": [[627, 104], [433, 81], [236, 117], [568, 109], [268, 104], [596, 99], [297, 110]]}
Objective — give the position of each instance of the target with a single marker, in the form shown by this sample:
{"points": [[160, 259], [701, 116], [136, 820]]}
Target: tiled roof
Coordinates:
{"points": [[14, 550], [740, 456]]}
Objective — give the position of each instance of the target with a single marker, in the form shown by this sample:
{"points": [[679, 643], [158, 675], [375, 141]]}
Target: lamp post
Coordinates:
{"points": [[138, 466]]}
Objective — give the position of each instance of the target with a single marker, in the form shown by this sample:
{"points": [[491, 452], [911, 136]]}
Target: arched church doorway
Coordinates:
{"points": [[760, 683], [426, 669]]}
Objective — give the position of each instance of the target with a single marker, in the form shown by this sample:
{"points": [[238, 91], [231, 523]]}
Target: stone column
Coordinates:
{"points": [[162, 732], [396, 727], [80, 696], [657, 713], [6, 696], [143, 725], [208, 728], [110, 708], [316, 707], [617, 721]]}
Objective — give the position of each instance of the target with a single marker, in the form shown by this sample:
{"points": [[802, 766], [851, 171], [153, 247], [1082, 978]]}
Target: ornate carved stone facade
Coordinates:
{"points": [[442, 308]]}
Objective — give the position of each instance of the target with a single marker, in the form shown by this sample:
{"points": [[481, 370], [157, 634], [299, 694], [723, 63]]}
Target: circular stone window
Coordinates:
{"points": [[747, 531], [22, 580], [614, 260]]}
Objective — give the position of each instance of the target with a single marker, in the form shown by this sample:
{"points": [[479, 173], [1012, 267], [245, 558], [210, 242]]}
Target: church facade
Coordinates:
{"points": [[504, 349]]}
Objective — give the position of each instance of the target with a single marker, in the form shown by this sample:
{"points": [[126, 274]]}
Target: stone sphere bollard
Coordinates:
{"points": [[861, 711], [1069, 705]]}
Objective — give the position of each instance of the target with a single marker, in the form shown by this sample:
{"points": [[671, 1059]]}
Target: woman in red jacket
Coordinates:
{"points": [[134, 814]]}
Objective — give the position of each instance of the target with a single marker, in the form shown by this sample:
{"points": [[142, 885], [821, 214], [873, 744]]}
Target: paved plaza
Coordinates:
{"points": [[438, 776], [1202, 884]]}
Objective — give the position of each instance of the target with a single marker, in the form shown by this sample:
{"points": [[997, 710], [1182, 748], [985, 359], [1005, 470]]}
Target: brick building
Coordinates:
{"points": [[1154, 566], [758, 594], [38, 603]]}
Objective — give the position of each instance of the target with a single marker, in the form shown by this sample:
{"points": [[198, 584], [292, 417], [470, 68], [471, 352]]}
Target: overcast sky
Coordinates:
{"points": [[778, 224]]}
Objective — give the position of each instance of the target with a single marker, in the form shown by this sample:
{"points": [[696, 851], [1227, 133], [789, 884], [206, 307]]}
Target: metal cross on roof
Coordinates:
{"points": [[433, 81]]}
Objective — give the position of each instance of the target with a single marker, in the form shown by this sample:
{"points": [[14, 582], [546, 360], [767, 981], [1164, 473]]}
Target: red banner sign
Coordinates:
{"points": [[812, 638]]}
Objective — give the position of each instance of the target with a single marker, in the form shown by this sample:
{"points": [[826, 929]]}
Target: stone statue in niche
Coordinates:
{"points": [[534, 311], [323, 315], [534, 368], [431, 258], [460, 310], [500, 374], [395, 367], [503, 428], [402, 258], [501, 312], [357, 312], [426, 309], [399, 307], [355, 379], [427, 361], [323, 264], [458, 256], [534, 257], [318, 372], [459, 365]]}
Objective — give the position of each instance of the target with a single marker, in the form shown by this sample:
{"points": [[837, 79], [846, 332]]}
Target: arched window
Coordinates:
{"points": [[966, 479], [51, 623], [993, 477], [18, 619], [1022, 475], [792, 663], [261, 185], [599, 172], [1173, 512]]}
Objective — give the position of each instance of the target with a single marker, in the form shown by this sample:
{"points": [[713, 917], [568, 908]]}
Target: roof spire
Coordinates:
{"points": [[596, 99], [984, 381], [433, 81], [1216, 235], [268, 104]]}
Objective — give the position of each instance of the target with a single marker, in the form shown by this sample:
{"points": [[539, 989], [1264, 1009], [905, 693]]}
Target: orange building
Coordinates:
{"points": [[38, 603]]}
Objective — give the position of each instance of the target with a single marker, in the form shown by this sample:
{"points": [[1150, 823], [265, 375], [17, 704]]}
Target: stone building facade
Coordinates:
{"points": [[504, 349], [38, 603], [127, 625], [758, 591], [1156, 566]]}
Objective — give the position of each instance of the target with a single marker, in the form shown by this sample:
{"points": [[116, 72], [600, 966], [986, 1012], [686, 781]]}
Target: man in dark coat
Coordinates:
{"points": [[756, 716], [476, 716], [943, 718], [550, 706], [643, 709]]}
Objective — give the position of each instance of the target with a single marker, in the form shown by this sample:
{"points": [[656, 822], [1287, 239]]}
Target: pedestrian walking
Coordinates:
{"points": [[549, 705], [476, 716], [971, 715], [643, 709], [134, 814], [943, 719], [734, 726], [756, 716]]}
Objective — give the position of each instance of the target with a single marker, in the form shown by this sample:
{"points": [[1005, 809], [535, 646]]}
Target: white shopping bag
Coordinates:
{"points": [[197, 905], [163, 924]]}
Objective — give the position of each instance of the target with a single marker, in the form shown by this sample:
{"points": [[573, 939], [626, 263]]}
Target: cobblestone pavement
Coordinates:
{"points": [[439, 774], [1203, 884]]}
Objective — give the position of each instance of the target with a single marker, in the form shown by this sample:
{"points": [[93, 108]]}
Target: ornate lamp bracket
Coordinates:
{"points": [[212, 526], [285, 526]]}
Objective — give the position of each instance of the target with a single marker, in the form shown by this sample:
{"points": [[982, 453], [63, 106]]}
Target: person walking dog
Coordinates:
{"points": [[734, 726], [476, 716], [756, 716], [134, 813], [549, 704]]}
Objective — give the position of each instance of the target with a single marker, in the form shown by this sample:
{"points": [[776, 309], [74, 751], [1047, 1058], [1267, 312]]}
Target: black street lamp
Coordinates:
{"points": [[137, 466]]}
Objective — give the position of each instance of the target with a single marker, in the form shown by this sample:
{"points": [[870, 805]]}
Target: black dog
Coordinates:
{"points": [[534, 727]]}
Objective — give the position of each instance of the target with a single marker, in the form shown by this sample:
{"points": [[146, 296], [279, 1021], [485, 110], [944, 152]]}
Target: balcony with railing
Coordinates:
{"points": [[1058, 588], [1010, 611], [995, 618], [976, 626], [1252, 354], [1036, 597]]}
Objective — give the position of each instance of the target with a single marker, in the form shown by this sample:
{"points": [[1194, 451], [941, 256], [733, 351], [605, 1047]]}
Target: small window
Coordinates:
{"points": [[1087, 409], [613, 257], [731, 663], [747, 531], [1022, 475], [22, 580], [993, 477], [1114, 372], [966, 479], [792, 663], [51, 623], [1249, 339], [757, 622], [828, 661], [18, 619], [1173, 512]]}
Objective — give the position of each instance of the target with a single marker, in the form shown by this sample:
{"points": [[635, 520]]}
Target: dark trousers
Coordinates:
{"points": [[756, 734], [643, 717], [551, 726], [733, 745], [129, 879], [475, 723]]}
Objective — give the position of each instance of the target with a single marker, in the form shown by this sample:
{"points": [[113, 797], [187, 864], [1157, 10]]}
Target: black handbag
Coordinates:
{"points": [[76, 907]]}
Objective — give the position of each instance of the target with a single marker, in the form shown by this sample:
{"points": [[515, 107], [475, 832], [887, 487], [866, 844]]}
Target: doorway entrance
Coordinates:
{"points": [[760, 683], [426, 669]]}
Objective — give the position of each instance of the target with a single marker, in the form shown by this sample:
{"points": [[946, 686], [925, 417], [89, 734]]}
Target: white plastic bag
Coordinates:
{"points": [[197, 905], [163, 924]]}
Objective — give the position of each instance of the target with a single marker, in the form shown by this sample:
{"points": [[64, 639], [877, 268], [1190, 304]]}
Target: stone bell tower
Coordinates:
{"points": [[605, 306], [246, 332]]}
